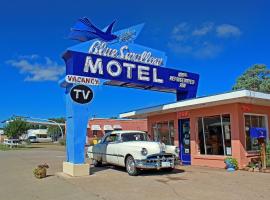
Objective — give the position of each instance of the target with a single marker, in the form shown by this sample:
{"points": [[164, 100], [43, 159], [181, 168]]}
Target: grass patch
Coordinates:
{"points": [[7, 148]]}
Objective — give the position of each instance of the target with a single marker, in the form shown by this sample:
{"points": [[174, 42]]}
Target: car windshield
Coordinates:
{"points": [[126, 137]]}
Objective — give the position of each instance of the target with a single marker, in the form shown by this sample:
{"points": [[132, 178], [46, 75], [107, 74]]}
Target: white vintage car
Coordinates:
{"points": [[133, 150]]}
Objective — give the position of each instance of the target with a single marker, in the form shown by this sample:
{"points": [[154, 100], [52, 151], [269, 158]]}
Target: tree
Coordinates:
{"points": [[15, 128], [36, 126], [256, 78], [53, 130]]}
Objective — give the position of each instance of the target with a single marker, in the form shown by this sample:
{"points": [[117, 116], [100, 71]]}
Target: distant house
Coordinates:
{"points": [[40, 134], [97, 127]]}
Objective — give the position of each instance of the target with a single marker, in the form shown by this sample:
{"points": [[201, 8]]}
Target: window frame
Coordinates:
{"points": [[110, 134], [222, 134], [244, 129], [172, 132]]}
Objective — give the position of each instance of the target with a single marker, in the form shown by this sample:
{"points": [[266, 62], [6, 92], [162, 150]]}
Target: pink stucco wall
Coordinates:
{"points": [[236, 111]]}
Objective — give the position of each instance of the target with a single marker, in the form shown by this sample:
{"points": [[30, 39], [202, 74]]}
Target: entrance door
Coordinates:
{"points": [[184, 137]]}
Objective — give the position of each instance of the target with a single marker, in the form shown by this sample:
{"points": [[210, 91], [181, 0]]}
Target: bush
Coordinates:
{"points": [[62, 141], [41, 171], [27, 142], [268, 154]]}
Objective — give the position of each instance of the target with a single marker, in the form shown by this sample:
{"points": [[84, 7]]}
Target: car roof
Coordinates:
{"points": [[125, 131]]}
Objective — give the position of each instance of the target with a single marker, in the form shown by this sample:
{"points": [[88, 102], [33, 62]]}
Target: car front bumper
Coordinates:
{"points": [[157, 163]]}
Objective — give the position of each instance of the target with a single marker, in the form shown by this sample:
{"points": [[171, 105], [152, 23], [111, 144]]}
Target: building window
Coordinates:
{"points": [[95, 132], [258, 121], [215, 135], [164, 132]]}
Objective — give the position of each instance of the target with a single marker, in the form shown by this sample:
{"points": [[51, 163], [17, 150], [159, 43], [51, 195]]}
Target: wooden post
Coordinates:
{"points": [[263, 152]]}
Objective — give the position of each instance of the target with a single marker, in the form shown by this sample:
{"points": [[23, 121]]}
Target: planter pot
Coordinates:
{"points": [[229, 166], [40, 172]]}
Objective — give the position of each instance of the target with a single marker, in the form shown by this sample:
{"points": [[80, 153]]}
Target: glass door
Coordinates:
{"points": [[184, 137]]}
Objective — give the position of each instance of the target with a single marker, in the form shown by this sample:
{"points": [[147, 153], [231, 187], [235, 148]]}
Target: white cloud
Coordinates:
{"points": [[179, 32], [38, 68], [227, 30], [203, 41], [204, 29], [207, 50]]}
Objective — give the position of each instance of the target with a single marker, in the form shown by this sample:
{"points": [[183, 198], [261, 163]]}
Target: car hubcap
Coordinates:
{"points": [[130, 166]]}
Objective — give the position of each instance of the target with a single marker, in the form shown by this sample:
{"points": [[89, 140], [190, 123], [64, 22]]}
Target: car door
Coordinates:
{"points": [[109, 149]]}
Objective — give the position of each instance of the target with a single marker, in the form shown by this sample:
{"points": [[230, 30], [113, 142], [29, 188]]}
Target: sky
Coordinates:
{"points": [[217, 39]]}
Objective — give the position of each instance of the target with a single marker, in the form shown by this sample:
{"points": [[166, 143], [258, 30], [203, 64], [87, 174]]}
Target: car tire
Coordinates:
{"points": [[97, 163], [131, 167]]}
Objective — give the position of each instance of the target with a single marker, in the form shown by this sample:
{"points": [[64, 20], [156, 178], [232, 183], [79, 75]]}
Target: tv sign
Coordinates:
{"points": [[81, 94]]}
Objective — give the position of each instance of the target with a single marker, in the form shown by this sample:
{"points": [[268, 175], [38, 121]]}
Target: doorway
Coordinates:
{"points": [[184, 141]]}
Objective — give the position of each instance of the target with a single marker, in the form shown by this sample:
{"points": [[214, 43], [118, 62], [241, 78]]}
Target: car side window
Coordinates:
{"points": [[111, 138]]}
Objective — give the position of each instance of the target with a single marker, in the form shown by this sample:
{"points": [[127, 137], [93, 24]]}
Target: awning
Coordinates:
{"points": [[241, 96], [117, 126], [95, 128], [108, 128]]}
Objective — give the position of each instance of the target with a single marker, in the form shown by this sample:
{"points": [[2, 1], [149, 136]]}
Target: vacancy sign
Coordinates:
{"points": [[82, 80]]}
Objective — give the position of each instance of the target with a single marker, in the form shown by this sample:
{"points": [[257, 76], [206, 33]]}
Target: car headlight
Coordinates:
{"points": [[144, 151], [177, 150]]}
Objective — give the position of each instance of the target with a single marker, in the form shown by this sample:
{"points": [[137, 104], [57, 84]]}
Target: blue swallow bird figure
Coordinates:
{"points": [[84, 30]]}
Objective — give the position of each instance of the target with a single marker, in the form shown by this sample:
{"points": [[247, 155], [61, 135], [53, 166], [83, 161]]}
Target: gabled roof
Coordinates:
{"points": [[241, 96]]}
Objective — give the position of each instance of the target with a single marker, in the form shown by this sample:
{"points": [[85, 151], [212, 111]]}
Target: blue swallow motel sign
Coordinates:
{"points": [[115, 58]]}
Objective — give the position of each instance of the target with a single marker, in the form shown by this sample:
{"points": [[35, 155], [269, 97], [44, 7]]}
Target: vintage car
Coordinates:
{"points": [[134, 151]]}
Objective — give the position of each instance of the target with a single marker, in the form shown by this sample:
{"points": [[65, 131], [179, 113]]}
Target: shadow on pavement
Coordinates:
{"points": [[104, 167], [160, 172], [94, 170], [49, 175]]}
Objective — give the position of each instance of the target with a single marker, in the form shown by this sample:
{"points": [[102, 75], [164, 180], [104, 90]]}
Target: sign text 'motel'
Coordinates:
{"points": [[141, 68]]}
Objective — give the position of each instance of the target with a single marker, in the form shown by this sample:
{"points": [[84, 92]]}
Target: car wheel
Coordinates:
{"points": [[97, 163], [131, 167]]}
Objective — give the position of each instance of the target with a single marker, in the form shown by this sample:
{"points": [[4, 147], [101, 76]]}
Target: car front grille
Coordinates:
{"points": [[160, 157]]}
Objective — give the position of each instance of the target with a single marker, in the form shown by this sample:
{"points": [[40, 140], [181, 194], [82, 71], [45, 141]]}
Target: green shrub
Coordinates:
{"points": [[62, 142], [27, 142], [268, 154]]}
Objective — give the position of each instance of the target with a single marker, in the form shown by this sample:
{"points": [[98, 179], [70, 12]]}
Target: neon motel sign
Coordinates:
{"points": [[121, 63], [116, 58]]}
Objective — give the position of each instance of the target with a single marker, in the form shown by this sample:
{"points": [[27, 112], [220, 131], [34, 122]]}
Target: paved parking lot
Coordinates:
{"points": [[106, 183]]}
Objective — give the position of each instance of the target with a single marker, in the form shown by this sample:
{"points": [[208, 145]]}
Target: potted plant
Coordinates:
{"points": [[231, 164], [41, 171]]}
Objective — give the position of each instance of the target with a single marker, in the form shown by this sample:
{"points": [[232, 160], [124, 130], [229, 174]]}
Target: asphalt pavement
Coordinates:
{"points": [[113, 183]]}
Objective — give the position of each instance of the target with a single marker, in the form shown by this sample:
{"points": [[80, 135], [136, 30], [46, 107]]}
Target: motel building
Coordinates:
{"points": [[210, 128]]}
